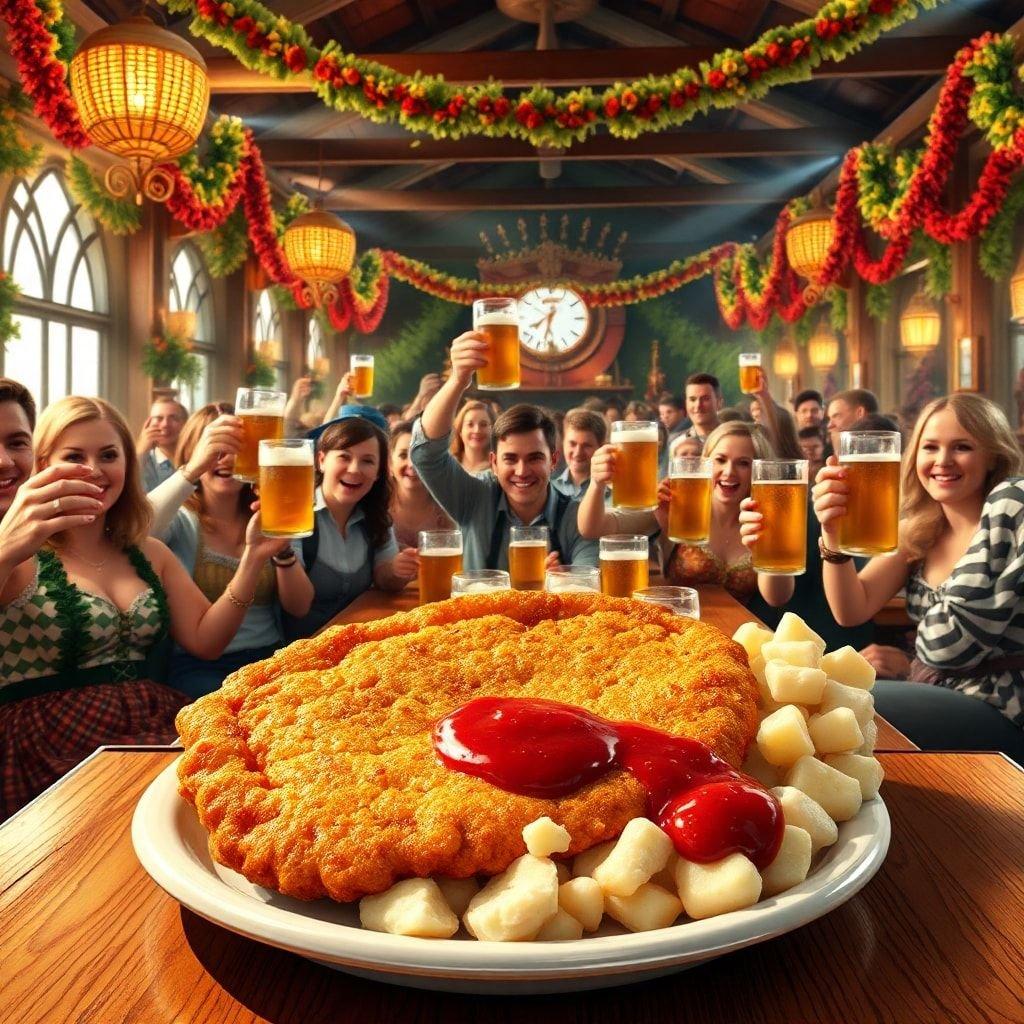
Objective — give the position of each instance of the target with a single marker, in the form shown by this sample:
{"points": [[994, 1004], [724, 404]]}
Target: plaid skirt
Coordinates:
{"points": [[42, 738]]}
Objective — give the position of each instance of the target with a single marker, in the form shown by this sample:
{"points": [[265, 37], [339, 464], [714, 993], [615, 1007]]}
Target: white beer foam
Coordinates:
{"points": [[627, 436], [570, 588], [796, 483], [870, 457], [499, 318], [623, 556], [691, 476], [483, 588], [440, 552], [528, 544], [263, 410], [285, 456]]}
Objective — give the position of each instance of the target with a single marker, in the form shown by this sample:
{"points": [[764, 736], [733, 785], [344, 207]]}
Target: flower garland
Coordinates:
{"points": [[118, 216], [272, 45], [16, 155], [225, 248], [9, 292]]}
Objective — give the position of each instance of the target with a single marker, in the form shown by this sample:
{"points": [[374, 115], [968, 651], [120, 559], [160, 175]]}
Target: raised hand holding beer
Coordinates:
{"points": [[468, 354], [497, 321], [259, 544], [223, 436], [830, 497], [262, 417]]}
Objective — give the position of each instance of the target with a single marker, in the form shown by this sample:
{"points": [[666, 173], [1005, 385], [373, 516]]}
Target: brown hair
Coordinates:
{"points": [[857, 398], [457, 447], [704, 378], [522, 419], [12, 391], [585, 419], [376, 503], [921, 518], [786, 443], [641, 410], [400, 428], [127, 522]]}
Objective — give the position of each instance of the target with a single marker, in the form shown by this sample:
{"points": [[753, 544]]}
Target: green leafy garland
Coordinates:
{"points": [[225, 248], [9, 292], [16, 155], [995, 255], [118, 216], [878, 301], [212, 177], [838, 314]]}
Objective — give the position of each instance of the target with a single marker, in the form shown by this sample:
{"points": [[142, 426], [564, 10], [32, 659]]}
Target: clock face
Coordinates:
{"points": [[552, 321]]}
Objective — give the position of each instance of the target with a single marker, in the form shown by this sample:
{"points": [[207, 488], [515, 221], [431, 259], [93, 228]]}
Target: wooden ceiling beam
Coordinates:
{"points": [[308, 11]]}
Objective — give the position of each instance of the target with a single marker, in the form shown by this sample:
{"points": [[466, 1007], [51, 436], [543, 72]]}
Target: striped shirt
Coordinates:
{"points": [[977, 613]]}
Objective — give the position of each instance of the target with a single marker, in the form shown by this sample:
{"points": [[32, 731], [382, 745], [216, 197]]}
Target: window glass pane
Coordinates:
{"points": [[26, 268], [85, 361], [66, 255], [23, 357], [196, 396], [57, 370], [52, 204]]}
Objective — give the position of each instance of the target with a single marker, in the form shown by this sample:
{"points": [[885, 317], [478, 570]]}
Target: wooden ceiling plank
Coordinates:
{"points": [[308, 11]]}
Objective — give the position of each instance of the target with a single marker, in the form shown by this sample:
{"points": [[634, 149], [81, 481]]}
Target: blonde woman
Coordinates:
{"points": [[961, 559], [471, 437], [82, 604]]}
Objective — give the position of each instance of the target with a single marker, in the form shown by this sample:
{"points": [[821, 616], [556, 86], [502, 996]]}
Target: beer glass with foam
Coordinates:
{"points": [[572, 579], [262, 416], [440, 557], [750, 372], [362, 374], [635, 481], [498, 320], [480, 581], [623, 558], [871, 459], [527, 555], [779, 486], [678, 600], [689, 511], [286, 487]]}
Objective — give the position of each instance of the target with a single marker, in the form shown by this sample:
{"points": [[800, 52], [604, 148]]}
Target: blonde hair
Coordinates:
{"points": [[921, 516], [457, 447], [740, 428], [127, 522]]}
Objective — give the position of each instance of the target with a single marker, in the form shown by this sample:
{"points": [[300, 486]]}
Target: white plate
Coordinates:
{"points": [[172, 846]]}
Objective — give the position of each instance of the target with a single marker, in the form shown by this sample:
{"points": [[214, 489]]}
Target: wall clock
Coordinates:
{"points": [[552, 321]]}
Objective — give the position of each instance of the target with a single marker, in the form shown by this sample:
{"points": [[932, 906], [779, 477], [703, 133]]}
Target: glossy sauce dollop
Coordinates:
{"points": [[546, 749]]}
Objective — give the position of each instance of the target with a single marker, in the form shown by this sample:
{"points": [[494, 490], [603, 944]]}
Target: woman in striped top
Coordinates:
{"points": [[961, 559]]}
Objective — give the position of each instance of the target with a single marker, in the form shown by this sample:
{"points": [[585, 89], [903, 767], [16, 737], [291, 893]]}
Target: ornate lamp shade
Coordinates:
{"points": [[1017, 290], [785, 362], [808, 241], [823, 347], [920, 324], [142, 94], [320, 249]]}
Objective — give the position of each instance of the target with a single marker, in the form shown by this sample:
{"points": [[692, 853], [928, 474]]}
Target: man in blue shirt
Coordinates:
{"points": [[583, 432], [518, 489], [158, 440]]}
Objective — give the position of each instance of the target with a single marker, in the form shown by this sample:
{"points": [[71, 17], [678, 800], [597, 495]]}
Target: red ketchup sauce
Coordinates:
{"points": [[546, 749]]}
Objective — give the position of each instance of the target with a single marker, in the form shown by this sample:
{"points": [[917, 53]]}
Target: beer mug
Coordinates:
{"points": [[689, 511], [440, 558], [750, 372], [779, 487], [262, 416], [679, 600], [871, 459], [498, 320], [527, 555], [286, 487], [623, 558], [572, 579], [362, 373], [480, 581], [635, 482]]}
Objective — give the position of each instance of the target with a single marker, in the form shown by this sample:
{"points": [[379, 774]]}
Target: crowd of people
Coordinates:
{"points": [[134, 575]]}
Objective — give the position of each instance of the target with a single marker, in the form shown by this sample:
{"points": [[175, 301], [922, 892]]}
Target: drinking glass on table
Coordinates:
{"points": [[871, 524], [572, 579], [689, 511], [480, 581], [779, 486], [498, 320], [527, 556], [262, 416], [362, 375], [679, 600], [440, 557], [623, 558], [286, 487], [635, 480]]}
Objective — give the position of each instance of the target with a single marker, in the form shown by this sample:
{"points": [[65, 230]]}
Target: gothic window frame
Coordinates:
{"points": [[194, 291]]}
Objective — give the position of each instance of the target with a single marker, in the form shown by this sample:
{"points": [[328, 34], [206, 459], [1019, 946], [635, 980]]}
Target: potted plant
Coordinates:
{"points": [[168, 359]]}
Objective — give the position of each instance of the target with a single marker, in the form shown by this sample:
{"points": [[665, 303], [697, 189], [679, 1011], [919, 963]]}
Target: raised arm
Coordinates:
{"points": [[468, 355], [595, 519], [343, 392]]}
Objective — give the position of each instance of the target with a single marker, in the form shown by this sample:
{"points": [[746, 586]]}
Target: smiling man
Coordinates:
{"points": [[583, 432], [158, 440], [518, 489]]}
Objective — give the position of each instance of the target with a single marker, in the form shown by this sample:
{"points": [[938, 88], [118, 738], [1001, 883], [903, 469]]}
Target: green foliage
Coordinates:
{"points": [[16, 155], [878, 301], [804, 327], [118, 216], [838, 316], [226, 247], [995, 255], [169, 358], [260, 372], [8, 293], [283, 297], [938, 277]]}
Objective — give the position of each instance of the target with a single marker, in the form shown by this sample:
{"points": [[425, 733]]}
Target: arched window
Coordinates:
{"points": [[53, 251], [266, 334], [317, 360], [190, 289]]}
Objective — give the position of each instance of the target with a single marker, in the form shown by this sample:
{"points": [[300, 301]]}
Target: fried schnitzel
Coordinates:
{"points": [[314, 772]]}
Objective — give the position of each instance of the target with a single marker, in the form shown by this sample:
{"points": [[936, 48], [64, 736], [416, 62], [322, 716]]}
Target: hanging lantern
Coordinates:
{"points": [[1017, 290], [181, 323], [785, 362], [320, 249], [808, 241], [142, 94], [823, 347], [920, 324]]}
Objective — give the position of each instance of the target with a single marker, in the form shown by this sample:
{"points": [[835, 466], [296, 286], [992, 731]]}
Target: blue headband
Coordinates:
{"points": [[348, 412]]}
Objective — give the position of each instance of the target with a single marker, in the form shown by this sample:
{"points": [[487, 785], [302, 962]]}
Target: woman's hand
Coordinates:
{"points": [[57, 499], [888, 662], [260, 547], [830, 496], [602, 465], [664, 500], [552, 560], [406, 564], [300, 390], [469, 353], [751, 522], [346, 388], [221, 437]]}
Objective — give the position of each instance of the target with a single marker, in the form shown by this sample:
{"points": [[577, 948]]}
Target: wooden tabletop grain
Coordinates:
{"points": [[87, 938]]}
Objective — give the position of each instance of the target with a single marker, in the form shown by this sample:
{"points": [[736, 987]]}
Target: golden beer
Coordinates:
{"points": [[750, 372], [782, 547], [502, 370], [622, 572], [635, 483], [526, 564], [689, 511], [437, 566], [362, 373], [871, 523], [286, 488], [257, 426]]}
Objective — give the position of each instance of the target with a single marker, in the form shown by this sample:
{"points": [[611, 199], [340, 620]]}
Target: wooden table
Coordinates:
{"points": [[87, 938]]}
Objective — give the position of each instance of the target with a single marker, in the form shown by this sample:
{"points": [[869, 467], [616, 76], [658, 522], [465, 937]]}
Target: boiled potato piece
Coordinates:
{"points": [[562, 926], [835, 732], [458, 892], [709, 889], [849, 667], [802, 812], [839, 695], [515, 905], [792, 627], [583, 898], [586, 862], [870, 739], [750, 636], [758, 768], [544, 837], [642, 850], [791, 684], [648, 908], [802, 653], [414, 906], [782, 737], [868, 771], [836, 792], [791, 863]]}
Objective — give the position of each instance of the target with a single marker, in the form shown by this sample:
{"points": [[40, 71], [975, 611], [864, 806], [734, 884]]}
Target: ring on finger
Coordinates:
{"points": [[56, 506]]}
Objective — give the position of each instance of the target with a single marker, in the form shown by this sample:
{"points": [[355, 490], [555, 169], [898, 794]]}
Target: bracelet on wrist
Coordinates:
{"points": [[284, 560], [183, 470], [830, 556], [234, 600]]}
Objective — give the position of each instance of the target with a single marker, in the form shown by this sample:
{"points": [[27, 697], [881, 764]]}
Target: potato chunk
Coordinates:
{"points": [[782, 737], [583, 898], [648, 908], [835, 732], [458, 892], [802, 812], [586, 862], [849, 667], [836, 792], [515, 905], [758, 768], [709, 889], [414, 906], [791, 863], [792, 627], [750, 636], [868, 771], [790, 684], [642, 850], [802, 653], [839, 695], [870, 732], [544, 837], [561, 927]]}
